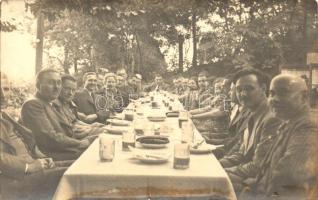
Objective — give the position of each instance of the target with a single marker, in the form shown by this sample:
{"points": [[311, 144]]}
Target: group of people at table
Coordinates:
{"points": [[264, 126]]}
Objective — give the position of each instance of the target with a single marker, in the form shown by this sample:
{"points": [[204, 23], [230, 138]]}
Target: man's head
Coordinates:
{"points": [[202, 80], [121, 82], [90, 81], [218, 85], [192, 84], [110, 81], [48, 84], [5, 85], [251, 86], [122, 72], [69, 86], [2, 99], [288, 96], [158, 79]]}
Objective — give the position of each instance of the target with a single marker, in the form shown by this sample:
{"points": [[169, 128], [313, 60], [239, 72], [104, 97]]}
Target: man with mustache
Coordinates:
{"points": [[285, 171], [38, 114], [251, 86], [85, 100]]}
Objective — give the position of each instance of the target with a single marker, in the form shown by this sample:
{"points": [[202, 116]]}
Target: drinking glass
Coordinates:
{"points": [[181, 156], [106, 148], [129, 139]]}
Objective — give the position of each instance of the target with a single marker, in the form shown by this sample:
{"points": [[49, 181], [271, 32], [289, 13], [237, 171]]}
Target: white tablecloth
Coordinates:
{"points": [[126, 177]]}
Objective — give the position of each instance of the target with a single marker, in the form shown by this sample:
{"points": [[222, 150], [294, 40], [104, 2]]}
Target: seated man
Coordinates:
{"points": [[205, 92], [190, 98], [213, 119], [285, 171], [124, 90], [157, 85], [68, 110], [239, 117], [136, 85], [251, 87], [85, 101], [25, 172], [51, 133]]}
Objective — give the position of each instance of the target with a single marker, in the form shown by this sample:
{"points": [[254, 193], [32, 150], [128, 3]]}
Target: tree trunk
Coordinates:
{"points": [[75, 65], [180, 41], [65, 64], [304, 32], [194, 35], [140, 66], [39, 42]]}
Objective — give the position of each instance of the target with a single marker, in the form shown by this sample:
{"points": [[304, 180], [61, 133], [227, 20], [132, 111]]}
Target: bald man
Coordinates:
{"points": [[284, 171]]}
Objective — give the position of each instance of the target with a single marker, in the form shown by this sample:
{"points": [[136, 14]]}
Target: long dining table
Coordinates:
{"points": [[125, 177]]}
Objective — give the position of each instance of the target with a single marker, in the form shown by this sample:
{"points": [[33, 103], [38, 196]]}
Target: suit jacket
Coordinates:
{"points": [[52, 133], [260, 126], [87, 104], [11, 164], [154, 86], [236, 128], [286, 163]]}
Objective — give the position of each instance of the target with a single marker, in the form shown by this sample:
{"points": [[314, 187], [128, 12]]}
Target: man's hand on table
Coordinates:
{"points": [[39, 165], [84, 143], [97, 124], [91, 118]]}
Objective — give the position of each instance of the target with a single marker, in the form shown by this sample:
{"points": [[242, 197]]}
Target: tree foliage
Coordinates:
{"points": [[262, 34]]}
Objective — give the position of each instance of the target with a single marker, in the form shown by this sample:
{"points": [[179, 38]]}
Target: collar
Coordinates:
{"points": [[39, 96], [59, 103], [263, 107]]}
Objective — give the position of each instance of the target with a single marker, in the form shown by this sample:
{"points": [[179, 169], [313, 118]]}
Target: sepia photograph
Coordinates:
{"points": [[159, 100]]}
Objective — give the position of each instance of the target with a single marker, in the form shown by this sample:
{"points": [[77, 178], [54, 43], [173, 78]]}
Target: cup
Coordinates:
{"points": [[187, 133], [181, 158], [106, 148], [183, 116], [129, 115], [156, 129], [139, 125], [129, 139]]}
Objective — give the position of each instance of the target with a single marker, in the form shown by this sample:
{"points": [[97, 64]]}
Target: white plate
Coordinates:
{"points": [[156, 119], [153, 146], [118, 130], [149, 159], [118, 122], [203, 149]]}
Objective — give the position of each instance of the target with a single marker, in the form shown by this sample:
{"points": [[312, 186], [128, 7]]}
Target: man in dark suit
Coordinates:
{"points": [[239, 117], [285, 172], [85, 99], [25, 172], [251, 86], [65, 107], [52, 134], [157, 85]]}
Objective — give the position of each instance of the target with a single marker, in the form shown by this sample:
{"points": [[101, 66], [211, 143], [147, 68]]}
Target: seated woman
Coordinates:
{"points": [[109, 98]]}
